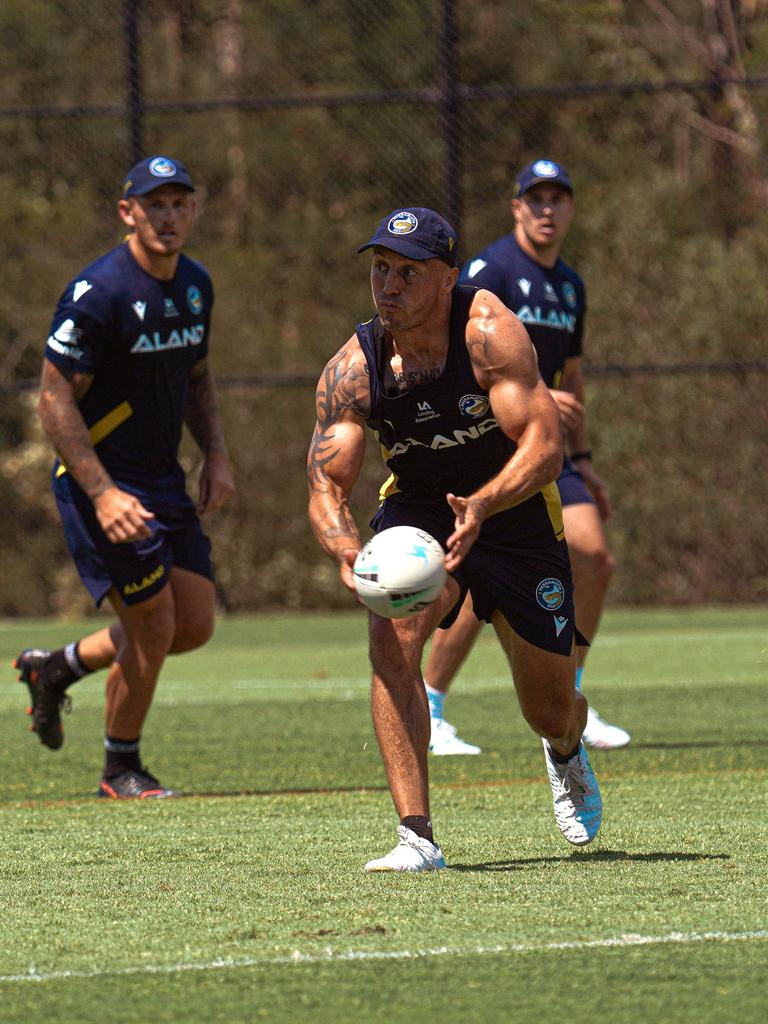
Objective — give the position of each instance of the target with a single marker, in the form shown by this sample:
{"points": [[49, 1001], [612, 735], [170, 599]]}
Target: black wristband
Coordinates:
{"points": [[586, 454]]}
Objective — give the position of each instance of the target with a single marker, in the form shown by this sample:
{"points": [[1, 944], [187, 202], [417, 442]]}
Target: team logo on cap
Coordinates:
{"points": [[402, 223], [194, 299], [550, 594], [545, 169], [473, 405], [162, 167], [569, 294]]}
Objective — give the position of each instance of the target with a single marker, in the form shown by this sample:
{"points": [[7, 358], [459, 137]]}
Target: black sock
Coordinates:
{"points": [[120, 756], [64, 667], [562, 758], [419, 824]]}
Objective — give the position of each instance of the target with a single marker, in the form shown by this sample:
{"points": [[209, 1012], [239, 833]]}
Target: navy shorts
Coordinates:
{"points": [[141, 569], [573, 490], [516, 566]]}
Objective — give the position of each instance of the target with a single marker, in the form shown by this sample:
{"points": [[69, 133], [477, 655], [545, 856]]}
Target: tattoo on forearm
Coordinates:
{"points": [[344, 386], [338, 522], [201, 414], [64, 425], [322, 451]]}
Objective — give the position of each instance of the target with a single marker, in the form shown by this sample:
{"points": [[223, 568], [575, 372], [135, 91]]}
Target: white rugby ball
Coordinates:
{"points": [[399, 572]]}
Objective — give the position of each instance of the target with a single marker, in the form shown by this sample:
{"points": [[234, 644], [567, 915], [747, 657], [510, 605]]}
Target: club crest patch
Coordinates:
{"points": [[473, 405], [550, 594], [569, 294], [545, 169], [162, 167], [194, 299], [402, 223]]}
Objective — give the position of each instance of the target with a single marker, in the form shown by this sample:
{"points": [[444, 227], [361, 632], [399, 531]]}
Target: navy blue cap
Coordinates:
{"points": [[154, 171], [542, 171], [417, 233]]}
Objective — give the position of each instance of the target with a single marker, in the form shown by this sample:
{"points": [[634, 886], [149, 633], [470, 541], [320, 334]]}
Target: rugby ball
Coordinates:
{"points": [[399, 572]]}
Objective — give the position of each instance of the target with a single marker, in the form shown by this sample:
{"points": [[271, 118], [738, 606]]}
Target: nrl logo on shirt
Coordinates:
{"points": [[65, 338]]}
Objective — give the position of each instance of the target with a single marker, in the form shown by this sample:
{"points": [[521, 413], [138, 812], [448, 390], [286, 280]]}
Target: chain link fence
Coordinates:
{"points": [[305, 122]]}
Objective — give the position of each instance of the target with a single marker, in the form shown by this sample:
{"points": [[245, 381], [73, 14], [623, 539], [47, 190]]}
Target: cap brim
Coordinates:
{"points": [[153, 186], [546, 181], [403, 247]]}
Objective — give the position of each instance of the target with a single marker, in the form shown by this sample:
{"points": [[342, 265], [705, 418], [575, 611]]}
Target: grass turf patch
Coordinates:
{"points": [[265, 871]]}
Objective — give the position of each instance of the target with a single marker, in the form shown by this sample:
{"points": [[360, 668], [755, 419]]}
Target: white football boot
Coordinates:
{"points": [[576, 796], [602, 736], [443, 739], [412, 853]]}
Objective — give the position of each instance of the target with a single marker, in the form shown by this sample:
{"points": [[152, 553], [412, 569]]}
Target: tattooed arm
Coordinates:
{"points": [[121, 516], [504, 362], [336, 454], [204, 422]]}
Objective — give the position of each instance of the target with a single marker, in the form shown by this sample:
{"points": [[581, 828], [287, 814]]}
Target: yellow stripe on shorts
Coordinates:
{"points": [[554, 509]]}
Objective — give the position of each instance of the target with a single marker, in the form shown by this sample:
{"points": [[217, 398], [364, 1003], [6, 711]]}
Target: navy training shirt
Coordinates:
{"points": [[440, 435], [551, 302], [140, 338]]}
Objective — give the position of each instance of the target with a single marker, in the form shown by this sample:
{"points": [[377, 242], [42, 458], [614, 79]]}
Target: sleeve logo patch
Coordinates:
{"points": [[65, 338], [475, 267]]}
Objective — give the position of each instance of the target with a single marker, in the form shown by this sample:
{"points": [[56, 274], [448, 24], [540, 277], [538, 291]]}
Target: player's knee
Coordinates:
{"points": [[394, 664], [552, 721], [153, 631], [601, 565], [394, 670], [190, 635]]}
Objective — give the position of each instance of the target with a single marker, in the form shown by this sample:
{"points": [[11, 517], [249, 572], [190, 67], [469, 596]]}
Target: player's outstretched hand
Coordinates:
{"points": [[346, 562], [570, 408], [467, 527], [217, 483], [121, 516]]}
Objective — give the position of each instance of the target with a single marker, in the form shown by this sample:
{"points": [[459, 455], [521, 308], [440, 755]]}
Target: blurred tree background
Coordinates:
{"points": [[304, 121]]}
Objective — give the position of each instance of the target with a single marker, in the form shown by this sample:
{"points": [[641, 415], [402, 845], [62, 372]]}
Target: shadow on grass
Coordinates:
{"points": [[601, 856]]}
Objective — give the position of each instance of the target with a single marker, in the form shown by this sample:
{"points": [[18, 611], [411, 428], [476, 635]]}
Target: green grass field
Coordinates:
{"points": [[245, 901]]}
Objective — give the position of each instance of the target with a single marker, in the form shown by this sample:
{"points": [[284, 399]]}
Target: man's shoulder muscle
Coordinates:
{"points": [[498, 342], [344, 386]]}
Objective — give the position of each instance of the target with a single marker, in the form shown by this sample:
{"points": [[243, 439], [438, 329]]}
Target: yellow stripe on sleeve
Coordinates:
{"points": [[103, 428]]}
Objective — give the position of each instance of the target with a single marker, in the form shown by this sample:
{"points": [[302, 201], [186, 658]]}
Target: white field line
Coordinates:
{"points": [[330, 957]]}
